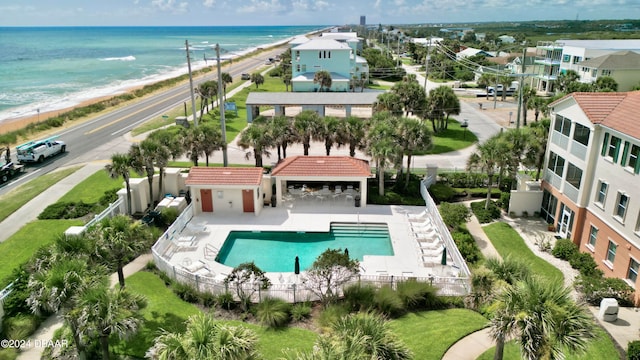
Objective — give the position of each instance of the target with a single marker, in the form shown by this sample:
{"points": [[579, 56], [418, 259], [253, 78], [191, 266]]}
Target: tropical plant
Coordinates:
{"points": [[528, 94], [323, 79], [330, 132], [411, 95], [488, 157], [605, 84], [307, 124], [537, 145], [121, 166], [207, 91], [205, 338], [273, 312], [193, 142], [282, 134], [413, 136], [286, 79], [257, 79], [441, 103], [257, 137], [543, 318], [390, 102], [330, 271], [382, 144], [353, 133], [247, 278], [212, 140], [226, 79]]}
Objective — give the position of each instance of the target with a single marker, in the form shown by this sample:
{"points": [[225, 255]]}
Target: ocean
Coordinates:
{"points": [[51, 68]]}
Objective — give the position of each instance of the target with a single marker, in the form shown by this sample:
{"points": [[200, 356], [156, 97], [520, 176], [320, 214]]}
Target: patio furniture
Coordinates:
{"points": [[210, 252]]}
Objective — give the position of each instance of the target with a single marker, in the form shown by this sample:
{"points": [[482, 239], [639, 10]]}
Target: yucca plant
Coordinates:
{"points": [[388, 302], [300, 311], [358, 297], [273, 312]]}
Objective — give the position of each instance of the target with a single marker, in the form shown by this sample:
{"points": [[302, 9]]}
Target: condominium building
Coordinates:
{"points": [[591, 184]]}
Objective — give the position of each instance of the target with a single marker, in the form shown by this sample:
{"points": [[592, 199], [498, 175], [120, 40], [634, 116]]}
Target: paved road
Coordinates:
{"points": [[100, 137]]}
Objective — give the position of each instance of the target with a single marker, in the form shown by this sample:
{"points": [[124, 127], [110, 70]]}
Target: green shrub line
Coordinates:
{"points": [[485, 215]]}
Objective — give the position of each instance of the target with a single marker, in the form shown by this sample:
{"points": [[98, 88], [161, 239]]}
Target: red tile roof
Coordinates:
{"points": [[615, 110], [322, 166], [225, 176]]}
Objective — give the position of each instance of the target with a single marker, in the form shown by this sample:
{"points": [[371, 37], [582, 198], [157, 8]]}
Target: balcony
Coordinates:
{"points": [[578, 150], [552, 178], [560, 140], [571, 192]]}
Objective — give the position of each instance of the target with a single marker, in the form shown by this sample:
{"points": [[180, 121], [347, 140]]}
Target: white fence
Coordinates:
{"points": [[110, 211]]}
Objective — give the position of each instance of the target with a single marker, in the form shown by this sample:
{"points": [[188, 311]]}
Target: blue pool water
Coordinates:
{"points": [[275, 251]]}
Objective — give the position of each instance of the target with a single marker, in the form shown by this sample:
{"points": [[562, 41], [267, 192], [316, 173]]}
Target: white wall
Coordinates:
{"points": [[528, 201]]}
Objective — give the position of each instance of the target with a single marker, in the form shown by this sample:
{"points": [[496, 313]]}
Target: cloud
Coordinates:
{"points": [[209, 3], [171, 5]]}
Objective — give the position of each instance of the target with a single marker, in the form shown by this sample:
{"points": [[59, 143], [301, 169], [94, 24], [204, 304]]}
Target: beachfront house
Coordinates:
{"points": [[337, 56]]}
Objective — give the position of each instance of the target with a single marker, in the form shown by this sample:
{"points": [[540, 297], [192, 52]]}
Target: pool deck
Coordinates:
{"points": [[206, 233]]}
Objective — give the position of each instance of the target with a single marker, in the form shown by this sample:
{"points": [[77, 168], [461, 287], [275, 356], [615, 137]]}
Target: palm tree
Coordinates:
{"points": [[212, 140], [413, 136], [323, 78], [390, 102], [169, 148], [121, 166], [286, 79], [528, 94], [118, 239], [256, 136], [329, 132], [207, 91], [441, 103], [226, 79], [110, 311], [411, 94], [537, 145], [193, 142], [257, 79], [144, 157], [382, 145], [544, 319], [353, 133], [282, 133], [487, 158], [307, 123], [515, 140], [205, 338]]}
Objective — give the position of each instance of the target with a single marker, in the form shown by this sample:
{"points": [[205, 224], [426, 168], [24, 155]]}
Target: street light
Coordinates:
{"points": [[464, 125]]}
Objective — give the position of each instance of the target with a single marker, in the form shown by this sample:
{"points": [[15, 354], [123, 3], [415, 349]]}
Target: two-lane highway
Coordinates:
{"points": [[99, 137]]}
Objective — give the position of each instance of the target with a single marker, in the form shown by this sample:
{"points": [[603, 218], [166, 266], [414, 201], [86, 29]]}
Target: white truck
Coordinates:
{"points": [[37, 151]]}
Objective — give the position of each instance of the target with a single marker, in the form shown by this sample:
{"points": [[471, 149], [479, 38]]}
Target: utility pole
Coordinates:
{"points": [[426, 66], [521, 88], [398, 58], [223, 124], [193, 98]]}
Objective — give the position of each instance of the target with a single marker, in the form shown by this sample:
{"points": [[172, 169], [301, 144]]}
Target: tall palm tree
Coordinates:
{"points": [[537, 144], [205, 338], [109, 312], [207, 91], [329, 133], [212, 140], [515, 140], [226, 79], [286, 79], [528, 94], [257, 137], [121, 166], [323, 78], [118, 239], [544, 319], [193, 142], [307, 123], [353, 132], [382, 145], [144, 156], [257, 79], [413, 136], [169, 148], [282, 134], [488, 158], [390, 102]]}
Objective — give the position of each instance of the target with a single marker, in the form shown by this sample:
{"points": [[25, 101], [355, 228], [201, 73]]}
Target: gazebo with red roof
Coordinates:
{"points": [[322, 169], [226, 189]]}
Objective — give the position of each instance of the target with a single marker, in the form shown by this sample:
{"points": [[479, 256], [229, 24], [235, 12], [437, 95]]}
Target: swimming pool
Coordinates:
{"points": [[275, 251]]}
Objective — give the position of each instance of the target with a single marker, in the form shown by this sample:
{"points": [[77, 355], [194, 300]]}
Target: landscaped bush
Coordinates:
{"points": [[109, 196], [388, 302], [359, 297], [585, 264], [463, 179], [300, 311], [454, 215], [225, 301], [417, 295], [505, 197], [169, 215], [564, 249], [207, 299], [9, 353], [66, 210], [595, 288], [185, 292], [20, 326], [442, 192], [485, 215], [467, 246], [331, 313], [633, 350], [273, 312]]}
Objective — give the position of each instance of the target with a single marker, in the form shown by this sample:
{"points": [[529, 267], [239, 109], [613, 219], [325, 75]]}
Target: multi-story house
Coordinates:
{"points": [[621, 66], [555, 58], [591, 189], [335, 53]]}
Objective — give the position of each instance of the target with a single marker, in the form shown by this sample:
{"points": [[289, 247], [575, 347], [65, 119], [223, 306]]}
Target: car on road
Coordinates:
{"points": [[245, 76], [37, 151]]}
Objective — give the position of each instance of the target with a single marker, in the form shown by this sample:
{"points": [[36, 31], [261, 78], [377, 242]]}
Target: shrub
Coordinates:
{"points": [[185, 292], [388, 302], [417, 295], [109, 196], [66, 210], [564, 249], [485, 215], [442, 192], [359, 297], [19, 327], [595, 288], [300, 311], [331, 313], [633, 350], [454, 215], [168, 215], [467, 246], [273, 312], [225, 301], [8, 353], [505, 197], [207, 299], [585, 264]]}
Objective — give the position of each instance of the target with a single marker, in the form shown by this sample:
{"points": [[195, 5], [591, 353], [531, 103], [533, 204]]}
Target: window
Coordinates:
{"points": [[549, 205], [614, 148], [594, 72], [298, 68], [632, 161], [574, 175], [606, 72], [621, 208], [632, 275], [611, 252], [320, 54], [562, 125], [593, 236], [577, 59], [581, 134], [556, 164], [566, 58], [602, 192]]}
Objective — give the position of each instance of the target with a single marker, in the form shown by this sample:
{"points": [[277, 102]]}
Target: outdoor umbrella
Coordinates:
{"points": [[444, 257], [346, 252], [296, 266]]}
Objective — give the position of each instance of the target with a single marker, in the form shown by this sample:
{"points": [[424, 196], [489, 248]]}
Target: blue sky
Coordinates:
{"points": [[301, 12]]}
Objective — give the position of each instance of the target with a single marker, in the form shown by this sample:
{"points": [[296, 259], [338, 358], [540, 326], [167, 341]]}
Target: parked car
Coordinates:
{"points": [[245, 76]]}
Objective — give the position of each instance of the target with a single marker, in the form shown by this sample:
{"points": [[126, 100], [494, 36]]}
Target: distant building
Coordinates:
{"points": [[622, 66], [363, 20]]}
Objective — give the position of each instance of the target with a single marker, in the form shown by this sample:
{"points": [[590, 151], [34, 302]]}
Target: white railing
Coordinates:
{"points": [[579, 150], [571, 192], [559, 139], [166, 240], [110, 211]]}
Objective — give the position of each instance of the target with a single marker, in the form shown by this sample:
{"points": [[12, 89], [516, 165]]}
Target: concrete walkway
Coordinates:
{"points": [[471, 346]]}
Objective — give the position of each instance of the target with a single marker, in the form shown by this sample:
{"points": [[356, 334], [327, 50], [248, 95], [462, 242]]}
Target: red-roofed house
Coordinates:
{"points": [[591, 184], [321, 171], [226, 190]]}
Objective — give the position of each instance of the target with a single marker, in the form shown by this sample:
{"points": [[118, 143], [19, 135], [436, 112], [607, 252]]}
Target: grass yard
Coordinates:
{"points": [[430, 333], [21, 195], [600, 348], [509, 243], [166, 311], [19, 248], [92, 188], [453, 138]]}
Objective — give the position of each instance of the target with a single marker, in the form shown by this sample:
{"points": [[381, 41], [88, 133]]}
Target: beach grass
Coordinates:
{"points": [[21, 195], [508, 242], [21, 246]]}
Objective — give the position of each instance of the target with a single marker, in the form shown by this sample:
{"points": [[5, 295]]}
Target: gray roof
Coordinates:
{"points": [[622, 60], [617, 44], [312, 98], [322, 44]]}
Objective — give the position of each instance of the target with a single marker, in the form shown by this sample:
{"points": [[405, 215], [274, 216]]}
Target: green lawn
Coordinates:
{"points": [[19, 248], [452, 139], [509, 243], [92, 188], [430, 333], [21, 195], [600, 348]]}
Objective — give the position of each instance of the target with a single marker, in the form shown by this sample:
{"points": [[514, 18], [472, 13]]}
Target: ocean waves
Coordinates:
{"points": [[124, 58]]}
